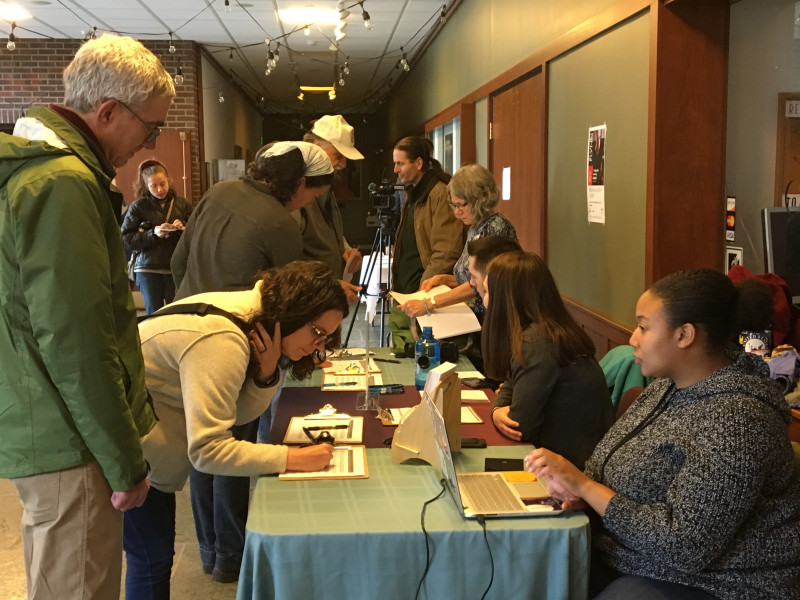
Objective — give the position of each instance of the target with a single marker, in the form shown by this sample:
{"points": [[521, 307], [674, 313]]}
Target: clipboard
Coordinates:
{"points": [[349, 462], [344, 429]]}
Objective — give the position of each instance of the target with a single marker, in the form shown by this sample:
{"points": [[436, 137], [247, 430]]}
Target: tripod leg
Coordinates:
{"points": [[364, 288]]}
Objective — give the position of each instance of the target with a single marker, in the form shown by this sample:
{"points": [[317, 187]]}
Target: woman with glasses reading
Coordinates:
{"points": [[208, 372], [473, 197]]}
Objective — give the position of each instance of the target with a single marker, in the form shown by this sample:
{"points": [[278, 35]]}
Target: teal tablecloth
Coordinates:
{"points": [[361, 540]]}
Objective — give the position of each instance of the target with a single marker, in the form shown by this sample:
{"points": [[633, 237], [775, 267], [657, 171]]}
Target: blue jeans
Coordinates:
{"points": [[266, 419], [149, 543], [219, 505], [157, 290]]}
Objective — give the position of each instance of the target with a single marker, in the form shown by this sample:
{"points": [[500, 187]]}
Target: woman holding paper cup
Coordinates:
{"points": [[554, 392], [473, 197], [208, 372]]}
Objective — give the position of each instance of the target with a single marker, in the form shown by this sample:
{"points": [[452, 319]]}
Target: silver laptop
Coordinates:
{"points": [[488, 494]]}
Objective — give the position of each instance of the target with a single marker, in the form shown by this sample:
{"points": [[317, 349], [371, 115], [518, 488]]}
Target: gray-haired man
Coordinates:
{"points": [[73, 403]]}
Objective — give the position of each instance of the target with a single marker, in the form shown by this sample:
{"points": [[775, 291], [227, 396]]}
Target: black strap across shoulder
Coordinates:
{"points": [[199, 308]]}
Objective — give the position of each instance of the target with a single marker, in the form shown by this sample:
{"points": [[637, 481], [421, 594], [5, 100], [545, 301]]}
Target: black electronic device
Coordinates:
{"points": [[503, 464], [467, 442], [781, 228]]}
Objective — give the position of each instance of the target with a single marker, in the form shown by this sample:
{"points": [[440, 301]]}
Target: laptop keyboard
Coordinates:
{"points": [[489, 494]]}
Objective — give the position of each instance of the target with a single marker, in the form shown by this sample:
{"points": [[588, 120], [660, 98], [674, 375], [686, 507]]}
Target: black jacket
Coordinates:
{"points": [[138, 230]]}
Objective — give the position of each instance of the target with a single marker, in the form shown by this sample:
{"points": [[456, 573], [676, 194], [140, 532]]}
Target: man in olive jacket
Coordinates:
{"points": [[72, 399]]}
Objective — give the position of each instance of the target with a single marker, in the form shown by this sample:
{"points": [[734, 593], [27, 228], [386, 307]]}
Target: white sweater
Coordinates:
{"points": [[195, 370]]}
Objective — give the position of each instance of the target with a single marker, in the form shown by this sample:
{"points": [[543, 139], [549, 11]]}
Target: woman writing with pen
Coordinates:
{"points": [[208, 372]]}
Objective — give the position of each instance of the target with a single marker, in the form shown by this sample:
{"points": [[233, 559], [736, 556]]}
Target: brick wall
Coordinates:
{"points": [[32, 75]]}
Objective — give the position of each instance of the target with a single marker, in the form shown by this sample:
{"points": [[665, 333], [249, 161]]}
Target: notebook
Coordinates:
{"points": [[490, 494]]}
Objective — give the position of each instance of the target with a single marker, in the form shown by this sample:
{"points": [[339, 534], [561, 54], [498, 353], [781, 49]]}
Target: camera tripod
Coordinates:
{"points": [[384, 238]]}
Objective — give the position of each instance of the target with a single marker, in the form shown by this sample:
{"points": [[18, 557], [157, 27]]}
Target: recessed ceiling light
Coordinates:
{"points": [[12, 12], [304, 16]]}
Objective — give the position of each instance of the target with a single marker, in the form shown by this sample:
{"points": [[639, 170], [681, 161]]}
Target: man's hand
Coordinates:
{"points": [[350, 290], [131, 498]]}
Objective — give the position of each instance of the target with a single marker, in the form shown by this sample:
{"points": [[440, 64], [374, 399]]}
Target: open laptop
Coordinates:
{"points": [[488, 494]]}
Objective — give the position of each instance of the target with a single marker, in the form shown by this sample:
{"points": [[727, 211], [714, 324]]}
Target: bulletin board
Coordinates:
{"points": [[787, 155]]}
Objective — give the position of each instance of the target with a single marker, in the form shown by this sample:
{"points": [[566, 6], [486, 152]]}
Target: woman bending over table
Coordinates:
{"points": [[695, 487], [207, 373], [554, 393]]}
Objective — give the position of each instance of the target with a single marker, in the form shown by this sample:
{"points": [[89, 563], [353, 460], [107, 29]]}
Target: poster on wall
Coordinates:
{"points": [[733, 257], [595, 168]]}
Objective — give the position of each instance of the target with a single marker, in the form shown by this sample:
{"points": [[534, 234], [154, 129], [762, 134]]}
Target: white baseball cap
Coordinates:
{"points": [[338, 132]]}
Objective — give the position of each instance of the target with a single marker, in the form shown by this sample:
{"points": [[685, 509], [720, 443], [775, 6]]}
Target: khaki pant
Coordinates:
{"points": [[71, 535]]}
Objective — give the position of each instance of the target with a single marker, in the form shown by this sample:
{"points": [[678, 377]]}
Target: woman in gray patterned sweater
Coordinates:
{"points": [[695, 487]]}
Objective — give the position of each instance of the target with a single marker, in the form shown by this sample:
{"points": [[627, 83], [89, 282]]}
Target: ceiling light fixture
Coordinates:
{"points": [[12, 44], [302, 16], [365, 15], [404, 61], [172, 48], [12, 12], [443, 16]]}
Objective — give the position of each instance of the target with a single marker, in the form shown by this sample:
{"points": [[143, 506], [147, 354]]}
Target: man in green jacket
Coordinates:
{"points": [[73, 404]]}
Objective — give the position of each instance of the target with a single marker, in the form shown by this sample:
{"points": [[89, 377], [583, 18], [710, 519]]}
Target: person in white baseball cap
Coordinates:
{"points": [[321, 223]]}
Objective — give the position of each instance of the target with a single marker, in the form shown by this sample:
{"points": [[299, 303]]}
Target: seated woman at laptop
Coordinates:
{"points": [[554, 393], [695, 485], [207, 373]]}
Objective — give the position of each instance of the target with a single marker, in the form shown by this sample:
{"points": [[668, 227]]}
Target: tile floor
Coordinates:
{"points": [[188, 580]]}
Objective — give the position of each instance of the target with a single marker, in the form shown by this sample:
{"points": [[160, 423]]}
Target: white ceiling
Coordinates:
{"points": [[241, 29]]}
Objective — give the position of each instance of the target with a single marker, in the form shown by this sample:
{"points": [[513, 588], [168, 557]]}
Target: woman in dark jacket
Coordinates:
{"points": [[554, 393], [151, 229]]}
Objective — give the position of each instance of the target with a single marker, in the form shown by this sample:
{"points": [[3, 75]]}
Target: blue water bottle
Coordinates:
{"points": [[426, 356]]}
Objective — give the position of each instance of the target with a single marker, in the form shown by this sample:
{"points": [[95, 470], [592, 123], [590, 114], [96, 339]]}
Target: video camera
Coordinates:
{"points": [[384, 196]]}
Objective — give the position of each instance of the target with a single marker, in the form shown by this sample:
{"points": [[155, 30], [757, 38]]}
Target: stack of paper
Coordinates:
{"points": [[446, 322]]}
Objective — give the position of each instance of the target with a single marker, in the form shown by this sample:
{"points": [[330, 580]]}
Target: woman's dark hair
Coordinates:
{"points": [[712, 303], [282, 173], [295, 295], [419, 147], [522, 292], [148, 168]]}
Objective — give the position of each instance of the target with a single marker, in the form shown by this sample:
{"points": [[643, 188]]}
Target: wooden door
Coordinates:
{"points": [[174, 149], [517, 142]]}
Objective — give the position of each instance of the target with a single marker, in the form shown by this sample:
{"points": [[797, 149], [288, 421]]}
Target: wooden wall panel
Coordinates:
{"points": [[518, 120]]}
